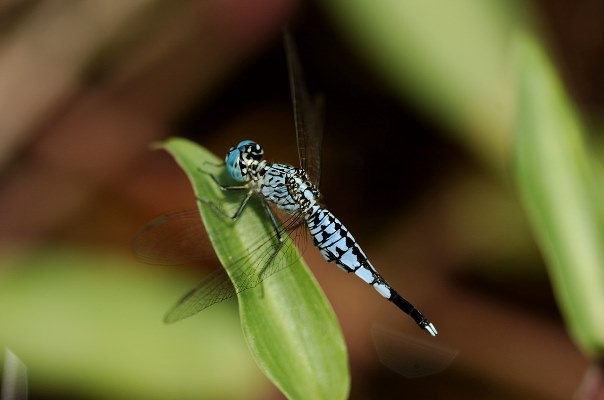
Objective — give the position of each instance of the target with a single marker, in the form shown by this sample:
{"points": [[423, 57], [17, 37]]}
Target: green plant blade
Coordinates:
{"points": [[561, 194], [448, 56], [290, 327], [58, 305]]}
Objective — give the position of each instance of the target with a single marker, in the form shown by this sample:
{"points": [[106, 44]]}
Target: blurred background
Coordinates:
{"points": [[416, 161]]}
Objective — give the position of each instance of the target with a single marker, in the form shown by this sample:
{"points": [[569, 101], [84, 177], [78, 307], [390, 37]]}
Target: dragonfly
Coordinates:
{"points": [[293, 191]]}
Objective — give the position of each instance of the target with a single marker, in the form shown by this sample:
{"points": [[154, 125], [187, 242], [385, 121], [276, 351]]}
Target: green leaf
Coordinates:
{"points": [[290, 327], [449, 57], [88, 324], [561, 194]]}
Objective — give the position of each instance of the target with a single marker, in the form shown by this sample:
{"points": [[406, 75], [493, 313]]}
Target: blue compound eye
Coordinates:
{"points": [[241, 157], [244, 143], [232, 164]]}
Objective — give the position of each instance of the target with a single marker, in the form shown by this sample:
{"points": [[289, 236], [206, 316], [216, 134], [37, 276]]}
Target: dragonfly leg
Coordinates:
{"points": [[265, 269], [237, 214], [273, 220], [226, 188]]}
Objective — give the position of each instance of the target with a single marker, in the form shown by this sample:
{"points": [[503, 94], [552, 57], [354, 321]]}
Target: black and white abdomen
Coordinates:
{"points": [[337, 245], [290, 189]]}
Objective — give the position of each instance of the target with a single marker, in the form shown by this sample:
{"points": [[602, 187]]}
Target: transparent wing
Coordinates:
{"points": [[172, 239], [259, 261], [410, 356], [308, 114]]}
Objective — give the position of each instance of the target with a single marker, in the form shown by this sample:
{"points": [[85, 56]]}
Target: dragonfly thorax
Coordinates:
{"points": [[244, 161], [287, 187], [302, 190]]}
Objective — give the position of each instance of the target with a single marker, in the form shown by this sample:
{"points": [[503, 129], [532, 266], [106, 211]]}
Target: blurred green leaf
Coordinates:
{"points": [[289, 325], [561, 194], [451, 57], [89, 325]]}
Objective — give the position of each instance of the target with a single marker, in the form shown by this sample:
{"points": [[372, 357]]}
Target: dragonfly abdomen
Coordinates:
{"points": [[337, 245]]}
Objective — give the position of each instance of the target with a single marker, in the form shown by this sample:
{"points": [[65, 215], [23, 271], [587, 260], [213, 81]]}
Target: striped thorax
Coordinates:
{"points": [[287, 187]]}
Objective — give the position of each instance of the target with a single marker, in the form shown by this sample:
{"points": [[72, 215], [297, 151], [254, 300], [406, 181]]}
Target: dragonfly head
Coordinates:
{"points": [[243, 159]]}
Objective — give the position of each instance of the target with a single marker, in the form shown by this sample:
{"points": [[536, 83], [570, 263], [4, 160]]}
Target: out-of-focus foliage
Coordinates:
{"points": [[451, 57], [561, 193], [458, 61], [93, 323]]}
